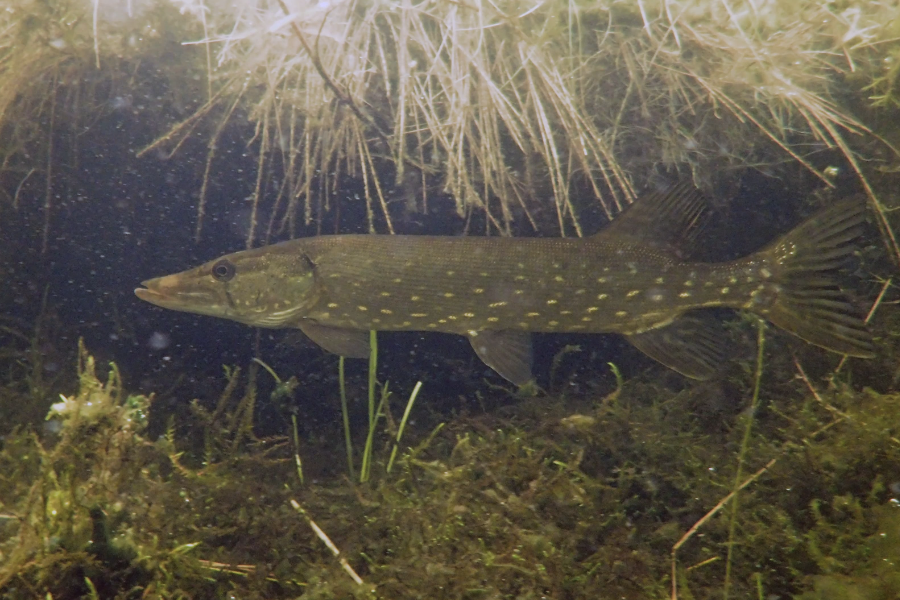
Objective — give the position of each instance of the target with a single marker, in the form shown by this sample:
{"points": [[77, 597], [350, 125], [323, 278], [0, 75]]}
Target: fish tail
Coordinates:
{"points": [[803, 297]]}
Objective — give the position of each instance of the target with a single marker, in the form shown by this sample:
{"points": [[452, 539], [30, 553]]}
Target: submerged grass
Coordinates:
{"points": [[742, 454], [525, 114]]}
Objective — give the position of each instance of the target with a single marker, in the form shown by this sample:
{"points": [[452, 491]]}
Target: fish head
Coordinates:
{"points": [[262, 287]]}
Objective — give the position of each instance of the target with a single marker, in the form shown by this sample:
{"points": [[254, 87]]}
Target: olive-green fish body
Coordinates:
{"points": [[629, 279], [458, 285]]}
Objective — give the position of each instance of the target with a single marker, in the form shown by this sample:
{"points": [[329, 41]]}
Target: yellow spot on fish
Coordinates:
{"points": [[386, 311], [684, 295], [725, 290], [602, 296], [418, 315], [520, 278], [586, 319], [660, 280], [485, 274], [432, 325], [521, 265], [551, 301], [565, 312], [385, 294], [593, 309], [601, 280], [442, 320], [448, 295], [553, 323], [452, 317], [577, 292], [332, 305], [478, 290], [632, 293], [493, 319], [397, 280], [689, 283], [362, 308], [415, 298], [523, 324], [519, 292], [621, 313], [559, 278], [732, 280], [376, 320], [451, 273], [533, 314], [496, 304], [405, 324]]}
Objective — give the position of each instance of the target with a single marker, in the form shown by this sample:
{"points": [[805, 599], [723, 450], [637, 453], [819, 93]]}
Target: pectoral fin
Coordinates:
{"points": [[507, 352], [351, 343], [693, 345]]}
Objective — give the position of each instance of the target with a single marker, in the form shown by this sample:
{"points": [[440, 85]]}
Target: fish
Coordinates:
{"points": [[635, 277]]}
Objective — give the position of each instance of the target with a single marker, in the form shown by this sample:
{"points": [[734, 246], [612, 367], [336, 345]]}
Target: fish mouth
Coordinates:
{"points": [[174, 293], [150, 292]]}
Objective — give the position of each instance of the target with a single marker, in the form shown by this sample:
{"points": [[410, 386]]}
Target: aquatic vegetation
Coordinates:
{"points": [[524, 114], [562, 498], [517, 117]]}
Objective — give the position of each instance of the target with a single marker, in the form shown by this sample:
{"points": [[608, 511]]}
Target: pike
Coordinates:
{"points": [[629, 279]]}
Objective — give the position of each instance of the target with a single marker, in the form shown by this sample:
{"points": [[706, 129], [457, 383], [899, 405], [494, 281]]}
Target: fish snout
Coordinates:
{"points": [[171, 291]]}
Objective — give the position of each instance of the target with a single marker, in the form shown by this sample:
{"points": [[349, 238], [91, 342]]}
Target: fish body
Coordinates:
{"points": [[458, 285], [628, 279]]}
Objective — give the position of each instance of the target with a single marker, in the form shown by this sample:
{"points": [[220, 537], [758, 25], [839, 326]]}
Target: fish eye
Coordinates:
{"points": [[223, 270]]}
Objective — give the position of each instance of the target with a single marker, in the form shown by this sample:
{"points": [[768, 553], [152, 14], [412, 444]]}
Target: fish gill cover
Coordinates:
{"points": [[140, 138]]}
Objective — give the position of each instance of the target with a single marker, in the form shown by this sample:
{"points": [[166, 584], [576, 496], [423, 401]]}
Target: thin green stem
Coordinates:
{"points": [[366, 468], [745, 443], [345, 414], [409, 405]]}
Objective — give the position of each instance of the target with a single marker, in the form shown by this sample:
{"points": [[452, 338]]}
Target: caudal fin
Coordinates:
{"points": [[807, 300]]}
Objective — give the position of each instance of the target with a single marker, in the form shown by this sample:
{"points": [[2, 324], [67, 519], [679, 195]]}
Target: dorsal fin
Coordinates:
{"points": [[669, 220]]}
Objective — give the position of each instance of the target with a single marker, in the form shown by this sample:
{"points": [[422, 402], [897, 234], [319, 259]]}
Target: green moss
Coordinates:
{"points": [[545, 498]]}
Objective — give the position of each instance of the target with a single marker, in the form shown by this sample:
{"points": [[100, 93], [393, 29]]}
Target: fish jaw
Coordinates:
{"points": [[173, 293]]}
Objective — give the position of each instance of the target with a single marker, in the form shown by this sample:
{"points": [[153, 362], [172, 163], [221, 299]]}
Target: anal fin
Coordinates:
{"points": [[507, 352], [351, 343], [693, 345]]}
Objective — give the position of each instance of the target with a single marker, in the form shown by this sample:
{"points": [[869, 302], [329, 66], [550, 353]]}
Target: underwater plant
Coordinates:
{"points": [[525, 114]]}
